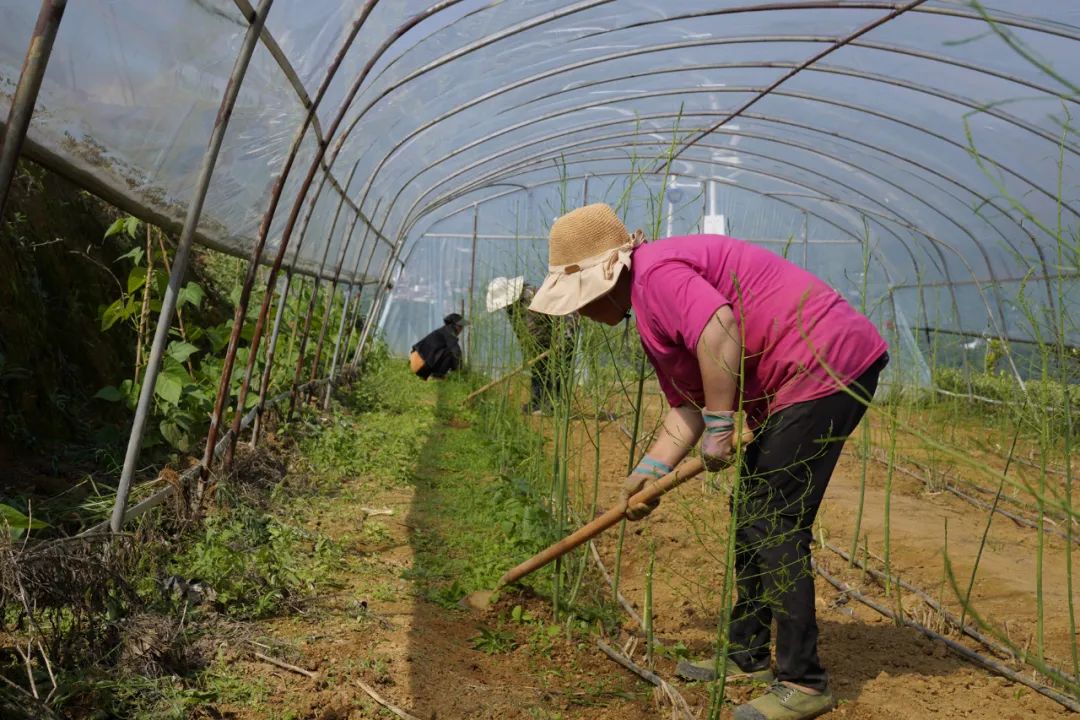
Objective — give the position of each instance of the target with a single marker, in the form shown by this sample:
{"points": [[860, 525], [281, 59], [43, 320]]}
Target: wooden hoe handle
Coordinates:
{"points": [[507, 376], [652, 490]]}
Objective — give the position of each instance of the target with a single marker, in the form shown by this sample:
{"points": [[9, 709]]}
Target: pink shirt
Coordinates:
{"points": [[791, 321]]}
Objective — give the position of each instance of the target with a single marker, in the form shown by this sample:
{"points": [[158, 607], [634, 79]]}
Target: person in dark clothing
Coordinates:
{"points": [[537, 334], [439, 352]]}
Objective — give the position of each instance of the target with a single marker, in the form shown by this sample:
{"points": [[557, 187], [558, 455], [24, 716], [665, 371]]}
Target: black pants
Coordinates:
{"points": [[548, 375], [544, 384], [785, 472]]}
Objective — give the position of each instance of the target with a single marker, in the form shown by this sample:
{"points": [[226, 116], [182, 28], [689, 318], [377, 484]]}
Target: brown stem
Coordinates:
{"points": [[144, 313], [179, 311]]}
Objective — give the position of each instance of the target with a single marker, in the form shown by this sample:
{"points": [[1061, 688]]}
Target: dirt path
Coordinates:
{"points": [[390, 620], [380, 625], [879, 671]]}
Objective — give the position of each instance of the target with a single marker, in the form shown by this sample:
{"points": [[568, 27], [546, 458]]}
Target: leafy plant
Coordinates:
{"points": [[493, 642], [17, 523], [255, 563]]}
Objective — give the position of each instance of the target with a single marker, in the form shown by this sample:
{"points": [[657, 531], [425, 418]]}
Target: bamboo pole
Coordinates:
{"points": [[346, 299], [268, 363], [180, 262], [286, 235], [26, 92], [333, 290], [283, 296], [345, 361]]}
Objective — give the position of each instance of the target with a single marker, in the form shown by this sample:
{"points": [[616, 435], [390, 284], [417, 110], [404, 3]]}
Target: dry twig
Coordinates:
{"points": [[678, 702], [956, 647], [287, 666], [382, 701], [618, 595]]}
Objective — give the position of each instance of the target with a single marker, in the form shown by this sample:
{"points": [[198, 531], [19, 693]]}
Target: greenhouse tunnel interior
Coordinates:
{"points": [[266, 204]]}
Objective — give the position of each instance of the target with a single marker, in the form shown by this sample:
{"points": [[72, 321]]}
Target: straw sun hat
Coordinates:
{"points": [[587, 250], [503, 292]]}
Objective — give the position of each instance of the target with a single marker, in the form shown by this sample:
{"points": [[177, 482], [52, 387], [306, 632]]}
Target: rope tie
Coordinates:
{"points": [[612, 260]]}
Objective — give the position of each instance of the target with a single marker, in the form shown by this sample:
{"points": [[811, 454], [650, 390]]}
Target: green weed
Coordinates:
{"points": [[493, 642], [255, 562]]}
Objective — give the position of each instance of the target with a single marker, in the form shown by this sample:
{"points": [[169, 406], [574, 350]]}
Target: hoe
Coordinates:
{"points": [[653, 489]]}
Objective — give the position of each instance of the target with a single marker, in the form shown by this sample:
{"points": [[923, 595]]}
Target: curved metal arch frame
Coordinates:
{"points": [[856, 192], [935, 242], [983, 200], [542, 159], [854, 166], [779, 93], [795, 70], [993, 276], [900, 240], [882, 220], [903, 189], [855, 239], [447, 58], [462, 51], [763, 39], [517, 84], [836, 70], [548, 17], [374, 174], [278, 54], [932, 10]]}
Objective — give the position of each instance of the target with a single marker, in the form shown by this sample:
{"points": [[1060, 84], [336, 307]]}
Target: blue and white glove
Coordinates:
{"points": [[717, 442], [648, 469]]}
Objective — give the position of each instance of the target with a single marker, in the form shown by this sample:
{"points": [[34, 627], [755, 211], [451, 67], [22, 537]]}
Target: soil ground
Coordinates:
{"points": [[380, 623]]}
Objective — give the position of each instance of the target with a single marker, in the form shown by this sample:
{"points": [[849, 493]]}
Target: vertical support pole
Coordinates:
{"points": [[345, 307], [360, 285], [359, 298], [351, 362], [367, 269], [380, 292], [283, 297], [241, 398], [307, 321], [472, 282], [180, 262], [585, 191], [388, 296], [271, 350], [26, 92], [704, 210], [330, 302]]}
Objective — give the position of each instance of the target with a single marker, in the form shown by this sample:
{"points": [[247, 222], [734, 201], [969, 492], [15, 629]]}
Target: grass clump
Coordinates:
{"points": [[256, 563]]}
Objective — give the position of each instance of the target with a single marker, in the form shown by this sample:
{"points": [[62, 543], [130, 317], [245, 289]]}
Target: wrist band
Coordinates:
{"points": [[652, 467], [718, 420]]}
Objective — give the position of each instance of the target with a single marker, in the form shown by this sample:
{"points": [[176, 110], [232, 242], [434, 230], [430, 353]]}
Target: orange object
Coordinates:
{"points": [[416, 363]]}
